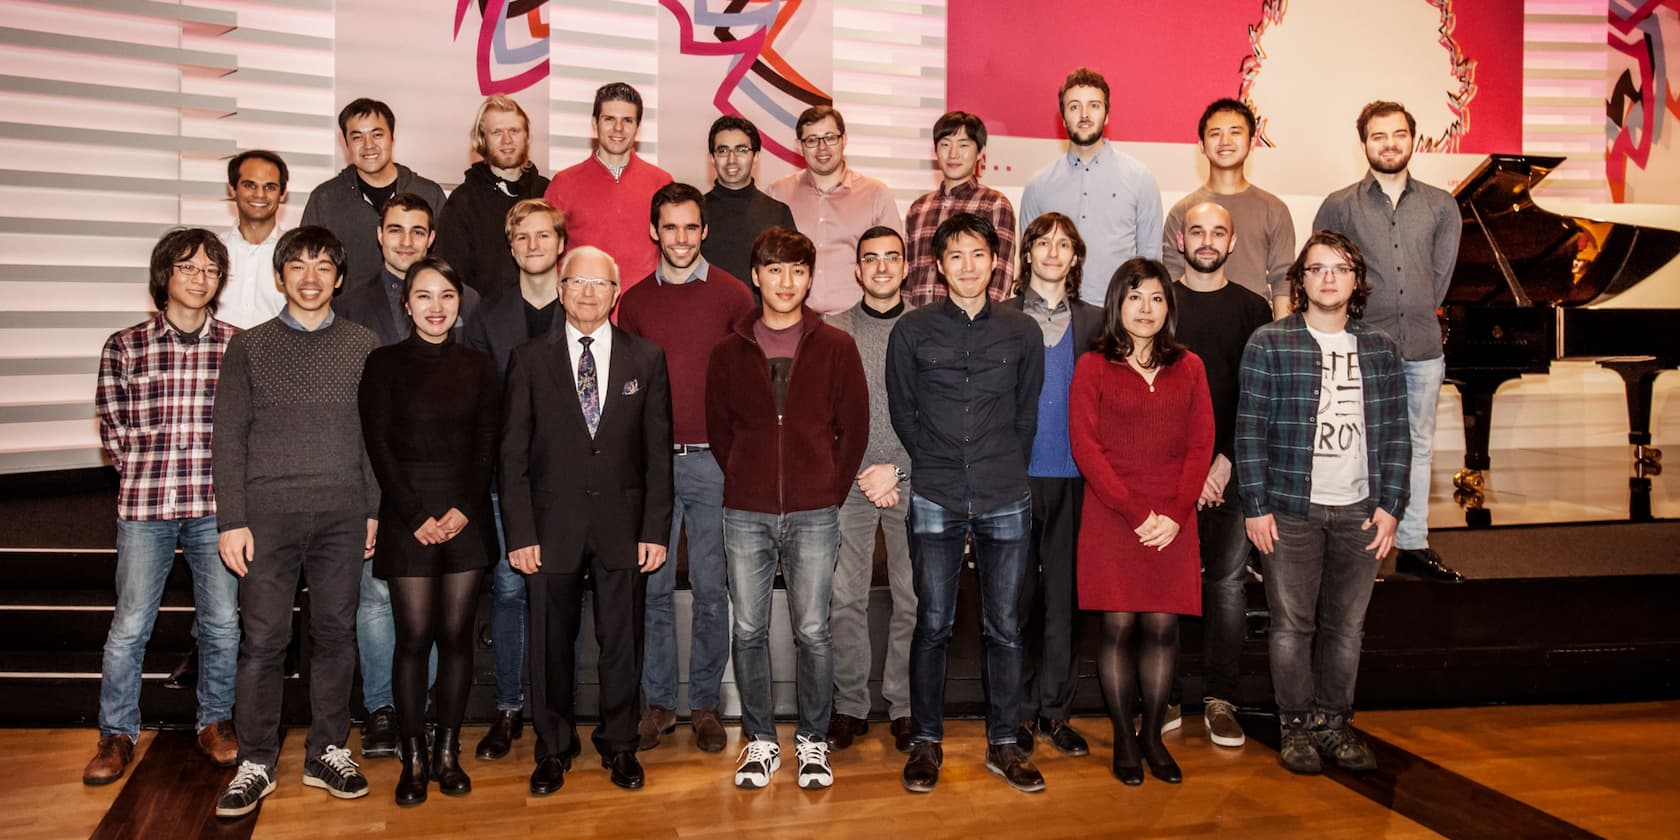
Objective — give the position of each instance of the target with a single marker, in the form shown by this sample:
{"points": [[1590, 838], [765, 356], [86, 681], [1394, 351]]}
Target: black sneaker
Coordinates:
{"points": [[1296, 752], [1344, 746], [336, 773], [379, 734], [249, 786]]}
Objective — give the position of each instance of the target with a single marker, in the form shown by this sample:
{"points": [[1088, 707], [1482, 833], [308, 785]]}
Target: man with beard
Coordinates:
{"points": [[1215, 318], [604, 198], [257, 186], [833, 205], [1110, 195], [1226, 132], [959, 147], [686, 308], [349, 205], [1409, 230], [738, 211], [469, 232]]}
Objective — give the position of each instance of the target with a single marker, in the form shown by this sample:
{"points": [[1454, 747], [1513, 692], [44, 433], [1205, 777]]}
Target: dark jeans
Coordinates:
{"points": [[326, 548], [1224, 607], [1049, 599], [1318, 583], [937, 537], [508, 632]]}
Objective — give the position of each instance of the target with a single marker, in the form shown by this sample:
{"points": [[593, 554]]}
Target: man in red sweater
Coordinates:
{"points": [[603, 197], [686, 307], [787, 412]]}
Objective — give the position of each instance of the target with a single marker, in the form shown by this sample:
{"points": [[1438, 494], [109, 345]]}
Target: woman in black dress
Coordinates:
{"points": [[430, 415]]}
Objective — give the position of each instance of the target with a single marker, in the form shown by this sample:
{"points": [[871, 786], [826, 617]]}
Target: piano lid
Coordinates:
{"points": [[1516, 253]]}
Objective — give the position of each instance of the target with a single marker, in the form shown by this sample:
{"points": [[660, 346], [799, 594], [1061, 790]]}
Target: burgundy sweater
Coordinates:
{"points": [[686, 320], [806, 458]]}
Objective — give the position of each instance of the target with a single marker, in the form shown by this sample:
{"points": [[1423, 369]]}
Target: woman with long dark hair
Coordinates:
{"points": [[1141, 428], [430, 416]]}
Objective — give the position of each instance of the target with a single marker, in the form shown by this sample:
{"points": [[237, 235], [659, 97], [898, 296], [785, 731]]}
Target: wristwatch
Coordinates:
{"points": [[902, 475]]}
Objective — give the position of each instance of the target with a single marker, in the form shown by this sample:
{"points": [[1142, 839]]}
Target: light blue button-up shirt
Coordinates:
{"points": [[1113, 200]]}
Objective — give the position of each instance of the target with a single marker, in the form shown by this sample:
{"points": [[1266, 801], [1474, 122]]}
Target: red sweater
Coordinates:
{"points": [[806, 458], [1141, 447], [686, 320], [611, 215]]}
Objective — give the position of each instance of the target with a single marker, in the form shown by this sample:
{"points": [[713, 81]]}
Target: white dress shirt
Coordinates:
{"points": [[601, 349], [250, 296]]}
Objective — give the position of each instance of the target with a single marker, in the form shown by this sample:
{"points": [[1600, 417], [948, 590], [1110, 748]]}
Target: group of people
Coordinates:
{"points": [[408, 394]]}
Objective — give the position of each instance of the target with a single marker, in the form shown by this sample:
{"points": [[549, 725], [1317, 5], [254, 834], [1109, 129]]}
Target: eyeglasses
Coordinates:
{"points": [[890, 258], [816, 140], [187, 269], [1341, 271], [732, 151], [589, 282]]}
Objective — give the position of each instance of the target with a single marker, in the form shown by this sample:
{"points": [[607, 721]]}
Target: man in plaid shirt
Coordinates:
{"points": [[157, 387], [1323, 459], [959, 144]]}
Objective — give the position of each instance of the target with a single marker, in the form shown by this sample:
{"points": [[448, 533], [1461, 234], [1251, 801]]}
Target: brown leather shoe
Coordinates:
{"points": [[218, 741], [708, 730], [921, 772], [656, 721], [1008, 761], [843, 729], [110, 761], [901, 734]]}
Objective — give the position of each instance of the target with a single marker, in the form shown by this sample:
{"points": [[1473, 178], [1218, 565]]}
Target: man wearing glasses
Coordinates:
{"points": [[833, 206], [586, 486], [736, 209], [959, 149]]}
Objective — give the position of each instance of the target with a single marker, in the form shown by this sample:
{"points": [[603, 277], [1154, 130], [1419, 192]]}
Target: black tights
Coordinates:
{"points": [[432, 610], [1139, 651]]}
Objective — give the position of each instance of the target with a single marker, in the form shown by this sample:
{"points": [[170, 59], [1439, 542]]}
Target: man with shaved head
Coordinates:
{"points": [[1215, 319]]}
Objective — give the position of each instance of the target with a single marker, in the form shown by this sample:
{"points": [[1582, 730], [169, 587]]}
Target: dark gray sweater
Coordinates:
{"points": [[288, 434]]}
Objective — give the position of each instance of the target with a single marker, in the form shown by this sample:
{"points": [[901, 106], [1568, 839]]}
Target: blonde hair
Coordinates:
{"points": [[499, 102], [527, 206]]}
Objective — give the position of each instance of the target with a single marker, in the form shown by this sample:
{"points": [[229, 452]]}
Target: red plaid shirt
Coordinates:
{"points": [[922, 284], [155, 400]]}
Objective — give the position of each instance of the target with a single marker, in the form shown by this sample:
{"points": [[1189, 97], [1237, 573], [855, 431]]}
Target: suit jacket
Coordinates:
{"points": [[1087, 323], [498, 326], [567, 492]]}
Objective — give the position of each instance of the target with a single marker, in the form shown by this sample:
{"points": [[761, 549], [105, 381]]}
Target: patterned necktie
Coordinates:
{"points": [[589, 391]]}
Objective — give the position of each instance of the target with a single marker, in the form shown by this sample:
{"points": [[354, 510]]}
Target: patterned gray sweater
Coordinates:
{"points": [[870, 332]]}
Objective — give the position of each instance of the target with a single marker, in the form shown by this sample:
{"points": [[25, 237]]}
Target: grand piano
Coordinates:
{"points": [[1525, 294]]}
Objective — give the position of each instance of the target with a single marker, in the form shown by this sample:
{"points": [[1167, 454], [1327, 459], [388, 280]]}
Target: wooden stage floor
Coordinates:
{"points": [[1575, 771]]}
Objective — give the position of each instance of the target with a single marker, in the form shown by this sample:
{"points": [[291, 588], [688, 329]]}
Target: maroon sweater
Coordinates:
{"points": [[686, 320], [806, 458]]}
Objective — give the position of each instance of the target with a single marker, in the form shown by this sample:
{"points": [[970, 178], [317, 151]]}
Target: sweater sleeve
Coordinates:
{"points": [[230, 442], [379, 410], [851, 427], [720, 424], [1085, 422], [1199, 453]]}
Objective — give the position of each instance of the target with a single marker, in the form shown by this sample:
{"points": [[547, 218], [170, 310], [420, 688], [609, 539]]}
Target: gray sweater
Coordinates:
{"points": [[288, 435], [870, 332]]}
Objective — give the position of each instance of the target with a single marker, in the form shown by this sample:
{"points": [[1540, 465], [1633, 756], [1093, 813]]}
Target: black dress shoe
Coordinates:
{"points": [[1128, 775], [921, 772], [626, 770], [901, 729], [446, 763], [379, 733], [506, 729], [1063, 738], [1163, 767], [844, 729], [1426, 564], [1024, 737], [411, 784], [549, 776]]}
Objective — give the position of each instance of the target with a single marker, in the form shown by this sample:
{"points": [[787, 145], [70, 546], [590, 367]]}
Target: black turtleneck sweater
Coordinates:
{"points": [[734, 218]]}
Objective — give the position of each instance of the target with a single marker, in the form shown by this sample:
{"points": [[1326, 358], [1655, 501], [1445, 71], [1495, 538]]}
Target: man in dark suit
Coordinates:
{"points": [[586, 484]]}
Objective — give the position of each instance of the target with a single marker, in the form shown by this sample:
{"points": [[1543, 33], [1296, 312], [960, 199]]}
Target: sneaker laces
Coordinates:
{"points": [[759, 751], [1216, 706], [812, 751], [250, 775], [338, 758]]}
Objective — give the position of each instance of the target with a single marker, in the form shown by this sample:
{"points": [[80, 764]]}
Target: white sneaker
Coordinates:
{"points": [[759, 761], [814, 771], [1174, 718]]}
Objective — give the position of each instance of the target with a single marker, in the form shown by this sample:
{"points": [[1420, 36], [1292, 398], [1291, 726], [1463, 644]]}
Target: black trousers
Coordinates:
{"points": [[1049, 599], [326, 548], [554, 615]]}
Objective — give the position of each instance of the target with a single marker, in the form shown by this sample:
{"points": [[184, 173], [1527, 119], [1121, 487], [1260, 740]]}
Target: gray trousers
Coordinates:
{"points": [[848, 619]]}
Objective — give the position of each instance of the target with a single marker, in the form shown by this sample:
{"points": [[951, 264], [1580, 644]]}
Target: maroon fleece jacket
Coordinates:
{"points": [[808, 457]]}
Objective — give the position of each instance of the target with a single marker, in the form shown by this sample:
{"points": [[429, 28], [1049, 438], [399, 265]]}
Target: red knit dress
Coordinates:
{"points": [[1141, 448]]}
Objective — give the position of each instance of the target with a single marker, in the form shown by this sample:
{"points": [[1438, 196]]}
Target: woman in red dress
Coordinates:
{"points": [[1141, 427]]}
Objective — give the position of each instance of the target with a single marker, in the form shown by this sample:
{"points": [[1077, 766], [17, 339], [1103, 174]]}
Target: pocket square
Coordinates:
{"points": [[632, 387]]}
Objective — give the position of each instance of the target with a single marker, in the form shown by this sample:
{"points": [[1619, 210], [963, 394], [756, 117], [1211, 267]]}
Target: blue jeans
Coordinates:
{"points": [[1319, 579], [937, 537], [698, 508], [376, 641], [508, 633], [807, 542], [145, 555], [1423, 392]]}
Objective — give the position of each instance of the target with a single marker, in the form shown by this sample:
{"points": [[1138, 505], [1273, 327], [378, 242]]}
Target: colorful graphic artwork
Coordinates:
{"points": [[1643, 103], [512, 43], [756, 69]]}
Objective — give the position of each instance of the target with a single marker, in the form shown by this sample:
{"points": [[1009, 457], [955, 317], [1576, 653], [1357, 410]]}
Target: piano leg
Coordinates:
{"points": [[1638, 375], [1476, 390]]}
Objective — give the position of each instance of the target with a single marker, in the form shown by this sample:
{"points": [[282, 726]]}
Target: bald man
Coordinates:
{"points": [[1215, 319]]}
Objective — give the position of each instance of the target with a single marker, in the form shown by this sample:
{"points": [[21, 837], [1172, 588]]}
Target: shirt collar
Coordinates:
{"points": [[950, 308], [845, 184], [700, 268], [573, 333], [237, 238], [966, 189], [1072, 157], [1369, 183], [1031, 299], [162, 325], [286, 318]]}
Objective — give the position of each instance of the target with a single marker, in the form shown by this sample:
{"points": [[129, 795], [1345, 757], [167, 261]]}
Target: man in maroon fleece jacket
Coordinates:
{"points": [[787, 414]]}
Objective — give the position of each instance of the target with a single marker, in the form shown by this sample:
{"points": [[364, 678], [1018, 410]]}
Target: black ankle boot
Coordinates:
{"points": [[411, 785], [446, 763]]}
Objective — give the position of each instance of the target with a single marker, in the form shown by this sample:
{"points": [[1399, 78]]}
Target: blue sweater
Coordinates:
{"points": [[1052, 456]]}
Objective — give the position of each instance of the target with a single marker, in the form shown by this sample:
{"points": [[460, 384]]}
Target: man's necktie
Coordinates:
{"points": [[589, 391]]}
